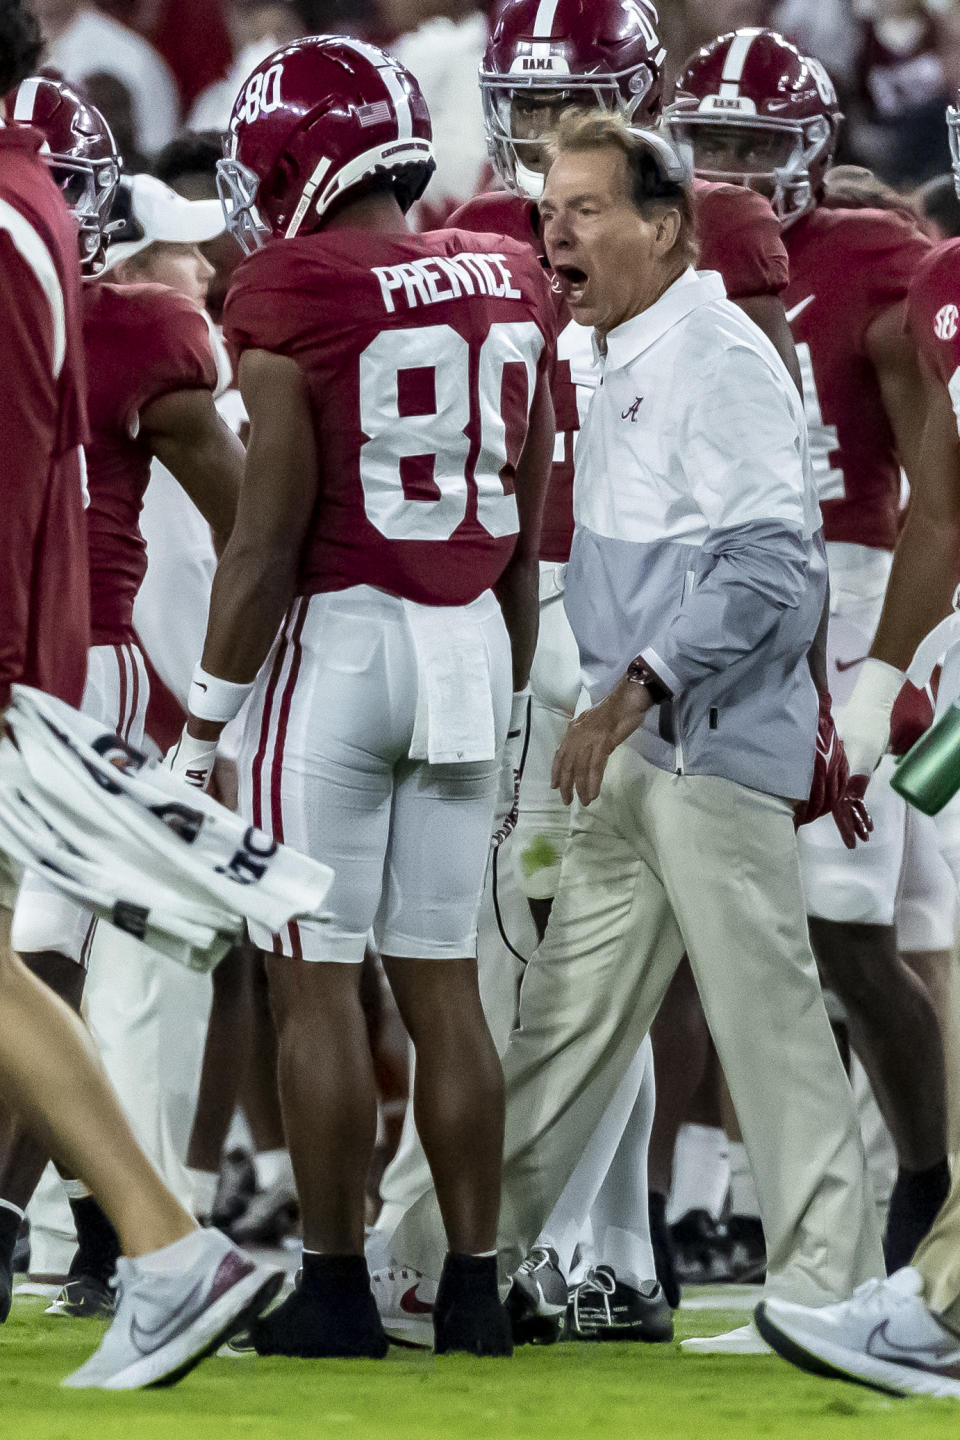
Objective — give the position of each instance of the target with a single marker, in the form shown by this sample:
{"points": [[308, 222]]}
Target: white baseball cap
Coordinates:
{"points": [[147, 211]]}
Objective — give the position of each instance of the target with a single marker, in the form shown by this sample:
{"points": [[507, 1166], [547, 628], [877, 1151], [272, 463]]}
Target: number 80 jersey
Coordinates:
{"points": [[422, 354]]}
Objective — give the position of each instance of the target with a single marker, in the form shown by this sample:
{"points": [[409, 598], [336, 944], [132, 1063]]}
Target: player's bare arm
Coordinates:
{"points": [[768, 313], [518, 587], [187, 435], [924, 576], [257, 573], [892, 352]]}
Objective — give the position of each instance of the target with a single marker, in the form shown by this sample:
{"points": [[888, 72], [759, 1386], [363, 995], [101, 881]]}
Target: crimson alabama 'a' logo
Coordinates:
{"points": [[632, 410], [945, 322]]}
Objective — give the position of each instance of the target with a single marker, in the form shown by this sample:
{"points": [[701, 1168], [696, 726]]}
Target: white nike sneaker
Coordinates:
{"points": [[742, 1341], [168, 1319], [405, 1300], [885, 1337]]}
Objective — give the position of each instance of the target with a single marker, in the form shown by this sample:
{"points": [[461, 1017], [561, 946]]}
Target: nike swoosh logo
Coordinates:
{"points": [[923, 1357], [849, 664], [200, 685], [798, 309], [411, 1305], [147, 1339]]}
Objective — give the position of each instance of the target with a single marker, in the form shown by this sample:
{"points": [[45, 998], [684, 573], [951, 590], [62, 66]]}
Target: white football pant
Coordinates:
{"points": [[324, 768]]}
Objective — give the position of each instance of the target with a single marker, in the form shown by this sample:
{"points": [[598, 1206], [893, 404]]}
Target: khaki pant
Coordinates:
{"points": [[938, 1260], [658, 864]]}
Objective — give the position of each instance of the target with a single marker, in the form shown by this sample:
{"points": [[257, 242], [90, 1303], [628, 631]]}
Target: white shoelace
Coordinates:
{"points": [[599, 1282]]}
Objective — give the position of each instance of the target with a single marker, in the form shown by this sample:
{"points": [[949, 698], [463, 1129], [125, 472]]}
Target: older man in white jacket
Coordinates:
{"points": [[695, 587]]}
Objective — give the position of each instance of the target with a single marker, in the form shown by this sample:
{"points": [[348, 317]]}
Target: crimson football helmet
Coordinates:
{"points": [[312, 122], [544, 54], [756, 112], [81, 154]]}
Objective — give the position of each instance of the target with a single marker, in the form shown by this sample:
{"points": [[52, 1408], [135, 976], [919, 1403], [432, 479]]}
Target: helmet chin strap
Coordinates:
{"points": [[529, 182]]}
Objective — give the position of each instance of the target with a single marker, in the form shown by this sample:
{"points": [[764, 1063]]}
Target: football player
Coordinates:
{"points": [[543, 58], [400, 434], [150, 374], [196, 1285], [757, 113]]}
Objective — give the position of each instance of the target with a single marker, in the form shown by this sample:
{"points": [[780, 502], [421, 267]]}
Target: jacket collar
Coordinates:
{"points": [[688, 292]]}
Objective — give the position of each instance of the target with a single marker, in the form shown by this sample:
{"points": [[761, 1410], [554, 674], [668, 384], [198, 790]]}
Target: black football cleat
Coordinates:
{"points": [[604, 1308], [537, 1302], [468, 1317]]}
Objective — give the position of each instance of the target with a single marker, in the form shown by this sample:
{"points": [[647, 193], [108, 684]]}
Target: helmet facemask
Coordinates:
{"points": [[517, 158], [89, 188], [953, 135], [237, 186], [774, 157]]}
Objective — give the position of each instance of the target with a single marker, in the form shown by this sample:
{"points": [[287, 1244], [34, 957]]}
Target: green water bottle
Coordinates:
{"points": [[929, 774]]}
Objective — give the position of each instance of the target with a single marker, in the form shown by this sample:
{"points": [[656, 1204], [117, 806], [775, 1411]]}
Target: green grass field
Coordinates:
{"points": [[574, 1391]]}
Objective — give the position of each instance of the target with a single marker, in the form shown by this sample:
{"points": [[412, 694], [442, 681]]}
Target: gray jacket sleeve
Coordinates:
{"points": [[748, 574]]}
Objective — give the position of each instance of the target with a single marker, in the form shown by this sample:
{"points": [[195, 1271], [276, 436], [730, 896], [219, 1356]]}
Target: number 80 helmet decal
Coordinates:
{"points": [[314, 121]]}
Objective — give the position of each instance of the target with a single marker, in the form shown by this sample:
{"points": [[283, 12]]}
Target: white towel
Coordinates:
{"points": [[454, 720], [940, 647], [139, 847]]}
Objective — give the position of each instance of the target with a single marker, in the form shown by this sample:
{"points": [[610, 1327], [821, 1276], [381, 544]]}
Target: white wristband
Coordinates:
{"points": [[518, 711], [213, 699], [878, 684], [863, 722]]}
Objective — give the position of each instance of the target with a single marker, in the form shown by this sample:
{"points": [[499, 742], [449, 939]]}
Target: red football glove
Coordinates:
{"points": [[850, 814], [833, 791]]}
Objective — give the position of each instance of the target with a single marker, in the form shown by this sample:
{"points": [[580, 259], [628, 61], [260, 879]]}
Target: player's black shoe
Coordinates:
{"points": [[236, 1187], [701, 1249], [85, 1297], [604, 1308], [331, 1315], [6, 1290], [537, 1302], [88, 1292], [21, 1250], [747, 1251], [467, 1314], [10, 1222]]}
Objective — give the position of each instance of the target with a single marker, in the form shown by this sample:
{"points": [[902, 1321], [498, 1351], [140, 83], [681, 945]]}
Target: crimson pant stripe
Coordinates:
{"points": [[135, 698], [122, 707], [258, 759], [276, 798]]}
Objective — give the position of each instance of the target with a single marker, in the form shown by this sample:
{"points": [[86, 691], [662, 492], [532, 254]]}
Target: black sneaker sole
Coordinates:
{"points": [[812, 1364], [622, 1333], [487, 1342], [377, 1352], [527, 1325]]}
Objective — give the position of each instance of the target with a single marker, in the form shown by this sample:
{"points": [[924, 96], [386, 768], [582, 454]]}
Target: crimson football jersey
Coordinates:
{"points": [[44, 618], [142, 342], [739, 237], [422, 354], [846, 268]]}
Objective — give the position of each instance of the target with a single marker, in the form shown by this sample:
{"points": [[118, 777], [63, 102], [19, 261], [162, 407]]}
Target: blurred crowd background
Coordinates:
{"points": [[156, 67]]}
